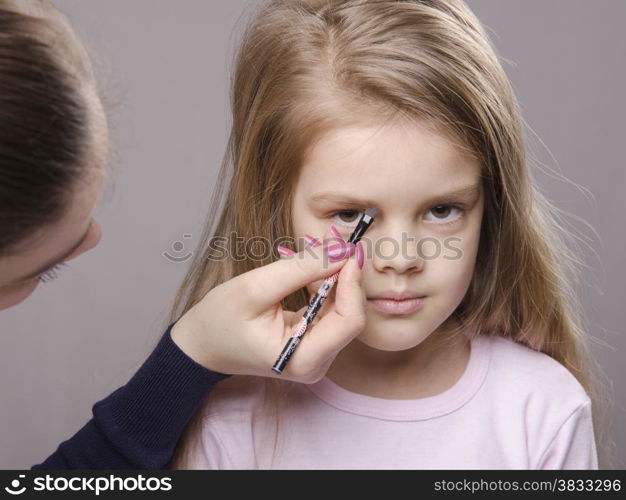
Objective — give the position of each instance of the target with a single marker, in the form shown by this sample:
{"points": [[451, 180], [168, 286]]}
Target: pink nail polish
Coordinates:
{"points": [[340, 251], [285, 251], [336, 233], [360, 254], [312, 241]]}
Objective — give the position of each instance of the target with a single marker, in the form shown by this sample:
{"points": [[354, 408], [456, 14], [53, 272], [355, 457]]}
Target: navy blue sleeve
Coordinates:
{"points": [[138, 425]]}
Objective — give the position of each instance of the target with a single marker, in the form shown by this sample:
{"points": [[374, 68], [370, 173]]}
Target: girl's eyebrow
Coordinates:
{"points": [[340, 198], [468, 192]]}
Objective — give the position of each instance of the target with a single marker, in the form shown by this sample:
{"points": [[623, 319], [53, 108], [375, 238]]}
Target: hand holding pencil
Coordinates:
{"points": [[240, 326], [319, 298]]}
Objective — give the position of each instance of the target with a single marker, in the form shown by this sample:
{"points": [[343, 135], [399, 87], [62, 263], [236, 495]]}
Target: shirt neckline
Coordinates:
{"points": [[441, 404]]}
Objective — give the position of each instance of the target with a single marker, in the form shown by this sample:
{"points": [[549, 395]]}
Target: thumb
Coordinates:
{"points": [[265, 286], [349, 300]]}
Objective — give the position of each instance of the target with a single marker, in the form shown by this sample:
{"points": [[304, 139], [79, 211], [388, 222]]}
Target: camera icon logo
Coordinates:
{"points": [[15, 484]]}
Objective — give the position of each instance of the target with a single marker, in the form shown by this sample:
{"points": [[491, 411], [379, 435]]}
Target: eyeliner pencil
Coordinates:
{"points": [[320, 297]]}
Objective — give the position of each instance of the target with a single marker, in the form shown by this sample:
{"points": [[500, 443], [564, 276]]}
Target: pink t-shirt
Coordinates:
{"points": [[513, 408]]}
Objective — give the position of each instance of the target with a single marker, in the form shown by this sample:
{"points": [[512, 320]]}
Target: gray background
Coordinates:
{"points": [[165, 67]]}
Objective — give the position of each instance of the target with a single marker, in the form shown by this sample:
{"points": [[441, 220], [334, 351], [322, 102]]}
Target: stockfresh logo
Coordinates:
{"points": [[94, 485], [16, 487]]}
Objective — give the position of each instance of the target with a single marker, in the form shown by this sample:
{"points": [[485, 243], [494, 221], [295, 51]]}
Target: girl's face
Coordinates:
{"points": [[425, 237]]}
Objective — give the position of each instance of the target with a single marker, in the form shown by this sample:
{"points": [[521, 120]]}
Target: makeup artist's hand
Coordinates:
{"points": [[240, 326]]}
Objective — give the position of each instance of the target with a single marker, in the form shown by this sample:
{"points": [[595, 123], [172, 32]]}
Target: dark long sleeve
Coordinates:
{"points": [[138, 425]]}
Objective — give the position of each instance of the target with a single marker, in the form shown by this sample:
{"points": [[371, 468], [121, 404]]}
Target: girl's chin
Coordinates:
{"points": [[392, 340]]}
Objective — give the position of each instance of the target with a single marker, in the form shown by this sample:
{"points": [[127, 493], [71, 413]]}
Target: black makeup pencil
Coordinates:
{"points": [[320, 297]]}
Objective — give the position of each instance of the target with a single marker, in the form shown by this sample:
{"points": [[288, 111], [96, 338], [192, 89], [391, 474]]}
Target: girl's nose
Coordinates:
{"points": [[398, 252]]}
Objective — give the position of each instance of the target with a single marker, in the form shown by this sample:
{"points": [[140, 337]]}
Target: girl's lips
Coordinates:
{"points": [[391, 306]]}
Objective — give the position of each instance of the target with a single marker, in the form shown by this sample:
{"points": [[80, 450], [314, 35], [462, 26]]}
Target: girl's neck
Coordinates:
{"points": [[426, 370]]}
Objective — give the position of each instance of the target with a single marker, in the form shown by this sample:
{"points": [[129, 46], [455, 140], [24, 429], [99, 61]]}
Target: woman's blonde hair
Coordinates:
{"points": [[308, 66]]}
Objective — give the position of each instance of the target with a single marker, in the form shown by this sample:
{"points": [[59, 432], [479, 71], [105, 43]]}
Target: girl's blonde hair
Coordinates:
{"points": [[308, 66]]}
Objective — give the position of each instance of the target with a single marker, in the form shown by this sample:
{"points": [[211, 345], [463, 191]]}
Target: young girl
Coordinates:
{"points": [[472, 354]]}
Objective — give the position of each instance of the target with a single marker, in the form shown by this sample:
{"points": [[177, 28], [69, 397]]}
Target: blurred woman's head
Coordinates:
{"points": [[53, 146]]}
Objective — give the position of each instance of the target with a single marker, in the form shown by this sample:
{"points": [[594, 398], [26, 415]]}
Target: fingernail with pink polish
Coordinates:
{"points": [[285, 251], [360, 255], [340, 251], [312, 241], [336, 233]]}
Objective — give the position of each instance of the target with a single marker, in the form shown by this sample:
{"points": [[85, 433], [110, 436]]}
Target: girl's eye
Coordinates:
{"points": [[441, 213], [347, 217], [52, 274]]}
